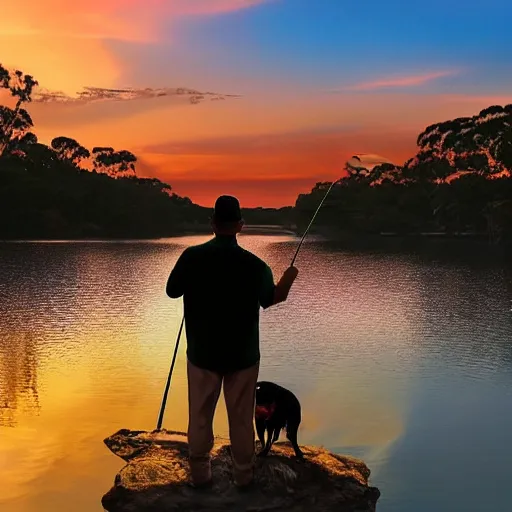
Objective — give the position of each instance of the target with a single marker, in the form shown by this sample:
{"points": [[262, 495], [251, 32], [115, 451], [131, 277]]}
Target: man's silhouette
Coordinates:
{"points": [[223, 288]]}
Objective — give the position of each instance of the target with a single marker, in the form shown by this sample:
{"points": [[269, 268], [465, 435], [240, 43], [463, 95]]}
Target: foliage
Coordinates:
{"points": [[45, 192], [458, 182], [481, 144], [268, 216], [114, 163], [70, 150], [20, 86], [43, 196], [14, 126]]}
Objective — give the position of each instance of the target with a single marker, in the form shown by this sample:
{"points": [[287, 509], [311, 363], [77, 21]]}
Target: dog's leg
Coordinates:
{"points": [[291, 434], [260, 429], [270, 433], [277, 433]]}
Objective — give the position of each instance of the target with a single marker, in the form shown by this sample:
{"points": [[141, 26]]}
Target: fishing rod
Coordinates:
{"points": [[311, 222], [168, 384]]}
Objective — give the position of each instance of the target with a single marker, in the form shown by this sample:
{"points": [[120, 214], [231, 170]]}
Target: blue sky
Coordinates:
{"points": [[329, 43]]}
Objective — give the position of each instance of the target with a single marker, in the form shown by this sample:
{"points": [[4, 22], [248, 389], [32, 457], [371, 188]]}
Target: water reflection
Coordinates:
{"points": [[18, 377], [392, 355]]}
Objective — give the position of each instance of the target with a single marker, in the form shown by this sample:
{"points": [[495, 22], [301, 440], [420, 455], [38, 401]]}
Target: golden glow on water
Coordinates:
{"points": [[87, 335]]}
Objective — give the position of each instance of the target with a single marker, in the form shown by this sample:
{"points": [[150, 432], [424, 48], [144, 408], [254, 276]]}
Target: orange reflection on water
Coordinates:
{"points": [[88, 338]]}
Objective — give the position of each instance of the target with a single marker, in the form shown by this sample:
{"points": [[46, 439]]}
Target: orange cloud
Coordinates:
{"points": [[129, 20], [65, 44], [61, 63], [403, 81]]}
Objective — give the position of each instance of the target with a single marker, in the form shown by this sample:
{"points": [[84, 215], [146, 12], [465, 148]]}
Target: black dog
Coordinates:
{"points": [[276, 408]]}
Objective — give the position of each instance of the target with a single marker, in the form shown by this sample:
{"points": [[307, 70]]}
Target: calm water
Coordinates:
{"points": [[404, 360]]}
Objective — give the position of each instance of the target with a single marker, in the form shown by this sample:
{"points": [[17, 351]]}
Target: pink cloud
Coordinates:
{"points": [[400, 81], [213, 6]]}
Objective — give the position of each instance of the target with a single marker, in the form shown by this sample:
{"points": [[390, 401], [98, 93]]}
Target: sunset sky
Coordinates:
{"points": [[313, 82]]}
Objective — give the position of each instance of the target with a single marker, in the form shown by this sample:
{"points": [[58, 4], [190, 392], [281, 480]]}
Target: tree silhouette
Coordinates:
{"points": [[47, 193], [14, 126], [357, 170], [102, 157], [386, 173], [480, 144], [20, 86], [28, 139], [21, 147], [458, 182], [155, 183], [70, 150], [113, 163], [125, 162]]}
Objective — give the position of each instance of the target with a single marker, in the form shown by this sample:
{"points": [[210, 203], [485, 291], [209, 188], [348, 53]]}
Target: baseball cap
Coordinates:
{"points": [[227, 209]]}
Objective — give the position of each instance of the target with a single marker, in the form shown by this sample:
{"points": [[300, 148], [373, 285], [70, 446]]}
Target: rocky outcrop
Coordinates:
{"points": [[155, 478]]}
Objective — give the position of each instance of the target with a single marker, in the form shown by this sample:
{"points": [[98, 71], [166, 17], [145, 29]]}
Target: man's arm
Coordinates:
{"points": [[176, 283], [274, 294], [284, 285]]}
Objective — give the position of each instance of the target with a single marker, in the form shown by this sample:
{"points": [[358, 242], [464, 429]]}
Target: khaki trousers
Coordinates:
{"points": [[203, 394]]}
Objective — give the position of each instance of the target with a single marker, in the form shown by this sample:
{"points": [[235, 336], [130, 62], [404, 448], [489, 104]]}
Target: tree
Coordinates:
{"points": [[502, 149], [125, 162], [69, 150], [21, 147], [20, 86], [28, 139], [356, 169], [458, 182], [46, 192], [41, 157], [386, 173], [102, 156], [479, 144], [113, 163], [429, 166], [155, 183], [14, 127]]}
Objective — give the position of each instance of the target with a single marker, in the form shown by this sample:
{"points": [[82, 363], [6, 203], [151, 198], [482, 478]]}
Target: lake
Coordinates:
{"points": [[402, 358]]}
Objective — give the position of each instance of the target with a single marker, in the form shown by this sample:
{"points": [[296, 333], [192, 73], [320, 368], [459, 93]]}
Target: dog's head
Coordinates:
{"points": [[265, 393]]}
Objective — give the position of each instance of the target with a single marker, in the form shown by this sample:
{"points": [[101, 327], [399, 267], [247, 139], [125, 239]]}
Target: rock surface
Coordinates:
{"points": [[156, 475]]}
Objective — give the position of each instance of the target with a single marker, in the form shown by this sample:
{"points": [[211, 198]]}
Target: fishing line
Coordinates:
{"points": [[168, 384], [311, 223]]}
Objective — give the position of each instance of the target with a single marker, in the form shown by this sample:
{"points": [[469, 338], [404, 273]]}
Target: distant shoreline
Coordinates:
{"points": [[253, 229], [326, 234], [204, 230]]}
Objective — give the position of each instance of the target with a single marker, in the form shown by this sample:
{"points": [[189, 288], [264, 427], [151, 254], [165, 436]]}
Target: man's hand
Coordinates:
{"points": [[284, 285], [290, 274]]}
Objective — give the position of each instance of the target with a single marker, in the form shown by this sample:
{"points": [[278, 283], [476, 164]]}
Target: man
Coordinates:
{"points": [[223, 287]]}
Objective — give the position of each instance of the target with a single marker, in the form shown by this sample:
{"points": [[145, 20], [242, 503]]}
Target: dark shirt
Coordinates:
{"points": [[223, 287]]}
